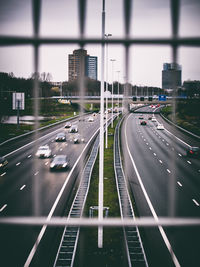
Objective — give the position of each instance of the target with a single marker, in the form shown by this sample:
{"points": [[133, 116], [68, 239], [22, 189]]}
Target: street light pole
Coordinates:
{"points": [[101, 147], [118, 91], [112, 60], [106, 36]]}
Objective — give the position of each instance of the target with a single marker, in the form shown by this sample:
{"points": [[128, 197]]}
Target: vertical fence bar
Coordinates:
{"points": [[101, 151], [36, 9]]}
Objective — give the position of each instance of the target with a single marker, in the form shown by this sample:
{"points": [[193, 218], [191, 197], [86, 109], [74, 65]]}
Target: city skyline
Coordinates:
{"points": [[150, 19]]}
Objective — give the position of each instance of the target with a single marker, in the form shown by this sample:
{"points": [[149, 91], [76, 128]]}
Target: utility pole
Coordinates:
{"points": [[112, 60]]}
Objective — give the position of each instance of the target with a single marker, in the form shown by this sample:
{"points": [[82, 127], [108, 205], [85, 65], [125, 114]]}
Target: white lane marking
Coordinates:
{"points": [[179, 183], [163, 140], [36, 173], [54, 155], [167, 144], [173, 148], [160, 161], [3, 174], [29, 156], [168, 171], [195, 202], [144, 139], [17, 164], [61, 149], [164, 236], [46, 163], [150, 148], [35, 246], [189, 162], [147, 144], [23, 186], [154, 154], [179, 155], [2, 208]]}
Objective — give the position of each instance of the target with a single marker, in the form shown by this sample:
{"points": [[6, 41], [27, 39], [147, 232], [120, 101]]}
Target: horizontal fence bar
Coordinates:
{"points": [[20, 40], [144, 222]]}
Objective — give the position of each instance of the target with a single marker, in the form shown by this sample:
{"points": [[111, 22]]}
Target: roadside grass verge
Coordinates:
{"points": [[112, 253]]}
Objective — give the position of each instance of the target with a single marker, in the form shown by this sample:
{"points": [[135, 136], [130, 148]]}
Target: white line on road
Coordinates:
{"points": [[61, 149], [195, 202], [36, 173], [179, 183], [179, 155], [168, 171], [2, 208], [46, 163], [189, 162], [3, 174], [167, 144], [150, 148], [154, 154], [23, 186], [160, 161], [29, 156], [17, 164]]}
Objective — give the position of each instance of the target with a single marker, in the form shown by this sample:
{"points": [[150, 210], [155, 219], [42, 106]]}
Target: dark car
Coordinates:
{"points": [[141, 117], [61, 137], [143, 123], [3, 163], [60, 162], [193, 151], [68, 125]]}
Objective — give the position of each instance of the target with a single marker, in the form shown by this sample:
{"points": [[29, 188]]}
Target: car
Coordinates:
{"points": [[153, 119], [143, 123], [60, 162], [141, 117], [3, 163], [68, 125], [90, 119], [61, 137], [193, 151], [160, 127], [78, 139], [43, 152], [73, 129]]}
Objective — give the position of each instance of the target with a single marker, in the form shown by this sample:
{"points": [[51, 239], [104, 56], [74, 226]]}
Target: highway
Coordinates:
{"points": [[164, 182], [27, 187]]}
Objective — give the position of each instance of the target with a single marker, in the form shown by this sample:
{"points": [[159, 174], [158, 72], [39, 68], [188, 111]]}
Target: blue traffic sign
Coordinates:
{"points": [[162, 98]]}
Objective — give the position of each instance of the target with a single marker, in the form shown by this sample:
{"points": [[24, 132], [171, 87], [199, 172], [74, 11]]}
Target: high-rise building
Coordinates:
{"points": [[91, 67], [80, 61], [171, 76]]}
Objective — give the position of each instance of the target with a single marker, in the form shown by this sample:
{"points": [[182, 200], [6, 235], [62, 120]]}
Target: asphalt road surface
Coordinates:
{"points": [[156, 160], [28, 188]]}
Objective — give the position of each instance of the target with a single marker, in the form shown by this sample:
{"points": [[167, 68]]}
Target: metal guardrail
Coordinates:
{"points": [[134, 246], [67, 249]]}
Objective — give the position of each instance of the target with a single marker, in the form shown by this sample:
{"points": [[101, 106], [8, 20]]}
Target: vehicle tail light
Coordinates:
{"points": [[191, 152]]}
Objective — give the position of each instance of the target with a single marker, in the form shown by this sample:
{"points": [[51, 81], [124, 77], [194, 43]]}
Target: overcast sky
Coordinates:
{"points": [[150, 18]]}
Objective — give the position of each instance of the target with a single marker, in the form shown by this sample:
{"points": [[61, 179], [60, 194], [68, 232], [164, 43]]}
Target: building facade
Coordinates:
{"points": [[171, 76], [79, 62]]}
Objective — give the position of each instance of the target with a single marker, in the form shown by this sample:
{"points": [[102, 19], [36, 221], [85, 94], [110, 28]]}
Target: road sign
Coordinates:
{"points": [[18, 101], [162, 98]]}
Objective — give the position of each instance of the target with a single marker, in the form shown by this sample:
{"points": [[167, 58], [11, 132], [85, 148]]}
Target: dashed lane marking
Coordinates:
{"points": [[36, 173], [168, 171], [2, 208], [189, 162], [195, 202], [46, 163], [179, 183], [3, 174], [17, 164], [29, 156], [23, 186], [154, 154], [160, 161], [179, 155]]}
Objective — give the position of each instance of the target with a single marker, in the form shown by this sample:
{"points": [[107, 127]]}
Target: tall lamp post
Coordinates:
{"points": [[106, 36], [112, 60], [118, 90]]}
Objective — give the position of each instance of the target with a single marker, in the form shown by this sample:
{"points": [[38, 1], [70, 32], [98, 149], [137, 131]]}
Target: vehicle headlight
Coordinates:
{"points": [[65, 165], [1, 164], [52, 165]]}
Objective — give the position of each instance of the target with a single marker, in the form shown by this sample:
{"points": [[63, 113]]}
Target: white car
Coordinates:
{"points": [[160, 127], [43, 152], [153, 119], [90, 119], [73, 129]]}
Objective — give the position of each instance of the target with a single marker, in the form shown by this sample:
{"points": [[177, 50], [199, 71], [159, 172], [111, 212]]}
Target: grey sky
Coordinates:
{"points": [[59, 18]]}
